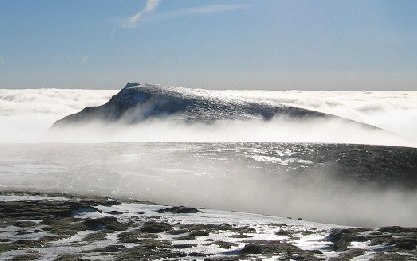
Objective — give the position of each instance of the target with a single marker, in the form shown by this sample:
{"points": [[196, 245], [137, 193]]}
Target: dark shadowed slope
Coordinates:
{"points": [[138, 102]]}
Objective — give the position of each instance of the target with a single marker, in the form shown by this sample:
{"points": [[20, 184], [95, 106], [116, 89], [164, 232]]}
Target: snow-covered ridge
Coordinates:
{"points": [[137, 102]]}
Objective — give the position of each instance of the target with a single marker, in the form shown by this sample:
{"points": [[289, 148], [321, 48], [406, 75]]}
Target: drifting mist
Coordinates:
{"points": [[211, 177]]}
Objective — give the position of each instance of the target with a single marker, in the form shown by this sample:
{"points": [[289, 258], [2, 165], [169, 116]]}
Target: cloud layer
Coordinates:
{"points": [[26, 115]]}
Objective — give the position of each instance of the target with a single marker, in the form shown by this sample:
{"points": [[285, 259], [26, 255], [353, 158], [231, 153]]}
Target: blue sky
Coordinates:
{"points": [[258, 44]]}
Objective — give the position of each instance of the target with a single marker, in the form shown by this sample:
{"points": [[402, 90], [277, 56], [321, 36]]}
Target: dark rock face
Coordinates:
{"points": [[138, 102], [395, 238], [271, 247], [110, 223], [179, 210], [251, 249], [342, 238], [155, 227]]}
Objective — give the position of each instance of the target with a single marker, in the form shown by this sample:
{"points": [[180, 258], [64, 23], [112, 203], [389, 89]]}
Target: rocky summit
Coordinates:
{"points": [[139, 102]]}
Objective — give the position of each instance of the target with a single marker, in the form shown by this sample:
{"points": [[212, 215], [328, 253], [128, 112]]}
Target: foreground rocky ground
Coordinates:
{"points": [[63, 227]]}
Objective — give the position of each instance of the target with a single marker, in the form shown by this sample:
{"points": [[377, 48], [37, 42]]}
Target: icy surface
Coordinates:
{"points": [[192, 235], [264, 229]]}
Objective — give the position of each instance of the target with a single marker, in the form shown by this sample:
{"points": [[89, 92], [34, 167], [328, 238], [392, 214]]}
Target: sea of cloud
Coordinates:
{"points": [[27, 114]]}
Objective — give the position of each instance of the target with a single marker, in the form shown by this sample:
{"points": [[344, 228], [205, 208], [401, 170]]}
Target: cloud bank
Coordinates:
{"points": [[26, 115]]}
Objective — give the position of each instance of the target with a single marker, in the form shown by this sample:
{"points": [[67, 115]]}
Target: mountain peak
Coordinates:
{"points": [[138, 102], [132, 84]]}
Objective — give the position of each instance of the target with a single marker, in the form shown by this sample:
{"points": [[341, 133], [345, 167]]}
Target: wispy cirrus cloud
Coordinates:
{"points": [[133, 20], [151, 5], [207, 9]]}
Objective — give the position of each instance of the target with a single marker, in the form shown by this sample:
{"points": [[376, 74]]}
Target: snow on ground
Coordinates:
{"points": [[106, 229]]}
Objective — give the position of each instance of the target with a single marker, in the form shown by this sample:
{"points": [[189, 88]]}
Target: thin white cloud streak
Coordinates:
{"points": [[196, 11], [133, 21], [208, 9]]}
